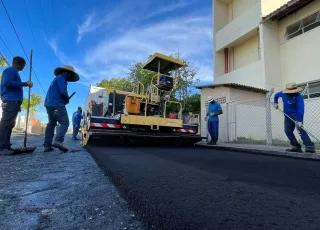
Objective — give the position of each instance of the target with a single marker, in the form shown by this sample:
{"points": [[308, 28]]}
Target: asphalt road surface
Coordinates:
{"points": [[196, 188]]}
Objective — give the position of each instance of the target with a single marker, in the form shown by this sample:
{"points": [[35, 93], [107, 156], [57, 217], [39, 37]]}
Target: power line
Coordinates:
{"points": [[26, 10], [44, 23], [21, 44], [5, 45]]}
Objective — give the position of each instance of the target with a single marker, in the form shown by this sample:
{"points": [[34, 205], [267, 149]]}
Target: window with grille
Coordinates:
{"points": [[303, 26], [220, 100], [311, 90]]}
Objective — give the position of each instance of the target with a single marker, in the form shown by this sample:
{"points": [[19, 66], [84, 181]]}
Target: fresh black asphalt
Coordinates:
{"points": [[196, 188]]}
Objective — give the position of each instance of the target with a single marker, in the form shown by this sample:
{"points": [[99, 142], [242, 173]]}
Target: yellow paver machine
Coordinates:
{"points": [[144, 112]]}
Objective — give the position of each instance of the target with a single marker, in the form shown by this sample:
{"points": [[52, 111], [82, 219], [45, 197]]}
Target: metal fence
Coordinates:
{"points": [[257, 122]]}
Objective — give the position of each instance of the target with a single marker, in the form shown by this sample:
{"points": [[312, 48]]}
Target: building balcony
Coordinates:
{"points": [[238, 29], [250, 75]]}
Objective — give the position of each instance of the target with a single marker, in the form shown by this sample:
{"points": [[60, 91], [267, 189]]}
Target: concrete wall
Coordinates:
{"points": [[246, 52], [270, 55], [268, 6], [242, 96], [220, 15], [236, 29], [239, 7], [248, 75], [300, 56]]}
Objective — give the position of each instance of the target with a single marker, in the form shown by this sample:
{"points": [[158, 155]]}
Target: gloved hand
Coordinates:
{"points": [[67, 101], [276, 106], [206, 118], [299, 124]]}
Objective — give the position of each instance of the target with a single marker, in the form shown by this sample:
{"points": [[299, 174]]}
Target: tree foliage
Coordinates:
{"points": [[138, 74], [3, 63], [192, 103], [117, 83], [35, 101]]}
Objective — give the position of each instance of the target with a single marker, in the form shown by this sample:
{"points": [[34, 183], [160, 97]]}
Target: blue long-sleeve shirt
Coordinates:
{"points": [[214, 108], [11, 85], [57, 94], [76, 118], [292, 104]]}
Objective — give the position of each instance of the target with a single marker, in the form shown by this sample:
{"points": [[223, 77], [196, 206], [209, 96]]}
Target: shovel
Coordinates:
{"points": [[26, 149]]}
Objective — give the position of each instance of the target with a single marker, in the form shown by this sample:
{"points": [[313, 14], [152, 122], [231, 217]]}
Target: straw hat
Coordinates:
{"points": [[210, 99], [292, 88], [67, 68]]}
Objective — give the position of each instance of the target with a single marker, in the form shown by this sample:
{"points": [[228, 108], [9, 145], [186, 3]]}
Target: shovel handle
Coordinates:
{"points": [[72, 95]]}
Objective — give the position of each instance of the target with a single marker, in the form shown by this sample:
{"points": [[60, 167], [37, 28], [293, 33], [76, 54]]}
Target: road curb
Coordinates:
{"points": [[303, 156]]}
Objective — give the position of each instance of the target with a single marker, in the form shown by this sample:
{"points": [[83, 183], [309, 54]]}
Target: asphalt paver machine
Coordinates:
{"points": [[146, 112]]}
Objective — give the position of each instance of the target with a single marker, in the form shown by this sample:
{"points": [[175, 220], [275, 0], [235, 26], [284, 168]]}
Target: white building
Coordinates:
{"points": [[264, 44]]}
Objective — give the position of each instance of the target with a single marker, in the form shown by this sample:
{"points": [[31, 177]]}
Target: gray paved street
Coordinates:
{"points": [[196, 188], [59, 191]]}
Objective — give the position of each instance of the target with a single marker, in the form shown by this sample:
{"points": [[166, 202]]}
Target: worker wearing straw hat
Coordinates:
{"points": [[214, 109], [56, 100], [293, 106]]}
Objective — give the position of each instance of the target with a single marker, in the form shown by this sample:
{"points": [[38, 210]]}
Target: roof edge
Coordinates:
{"points": [[235, 86]]}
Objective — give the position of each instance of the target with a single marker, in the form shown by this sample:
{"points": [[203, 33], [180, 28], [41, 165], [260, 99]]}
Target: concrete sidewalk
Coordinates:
{"points": [[59, 191], [260, 149]]}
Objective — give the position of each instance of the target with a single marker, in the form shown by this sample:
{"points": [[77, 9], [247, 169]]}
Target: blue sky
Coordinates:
{"points": [[101, 38]]}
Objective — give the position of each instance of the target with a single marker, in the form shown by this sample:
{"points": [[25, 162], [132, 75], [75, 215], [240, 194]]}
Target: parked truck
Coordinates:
{"points": [[146, 112]]}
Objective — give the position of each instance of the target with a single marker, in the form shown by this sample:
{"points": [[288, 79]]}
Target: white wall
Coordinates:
{"points": [[235, 30], [270, 55], [220, 15], [251, 121], [268, 6], [239, 7], [246, 52], [248, 75], [300, 56]]}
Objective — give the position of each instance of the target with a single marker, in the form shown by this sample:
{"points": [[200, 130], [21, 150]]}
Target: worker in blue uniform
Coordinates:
{"points": [[76, 120], [56, 100], [293, 106], [213, 111], [12, 97]]}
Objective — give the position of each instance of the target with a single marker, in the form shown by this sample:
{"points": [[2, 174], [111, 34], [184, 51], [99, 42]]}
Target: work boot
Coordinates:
{"points": [[60, 146], [295, 149], [6, 152], [46, 149], [310, 149]]}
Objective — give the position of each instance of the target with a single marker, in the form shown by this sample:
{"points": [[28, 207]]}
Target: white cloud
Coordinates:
{"points": [[86, 26], [111, 55], [171, 7], [191, 35], [124, 14]]}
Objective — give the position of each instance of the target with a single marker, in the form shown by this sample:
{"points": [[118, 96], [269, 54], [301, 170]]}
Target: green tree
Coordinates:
{"points": [[138, 74], [35, 101], [117, 83], [187, 77], [3, 63], [192, 103]]}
